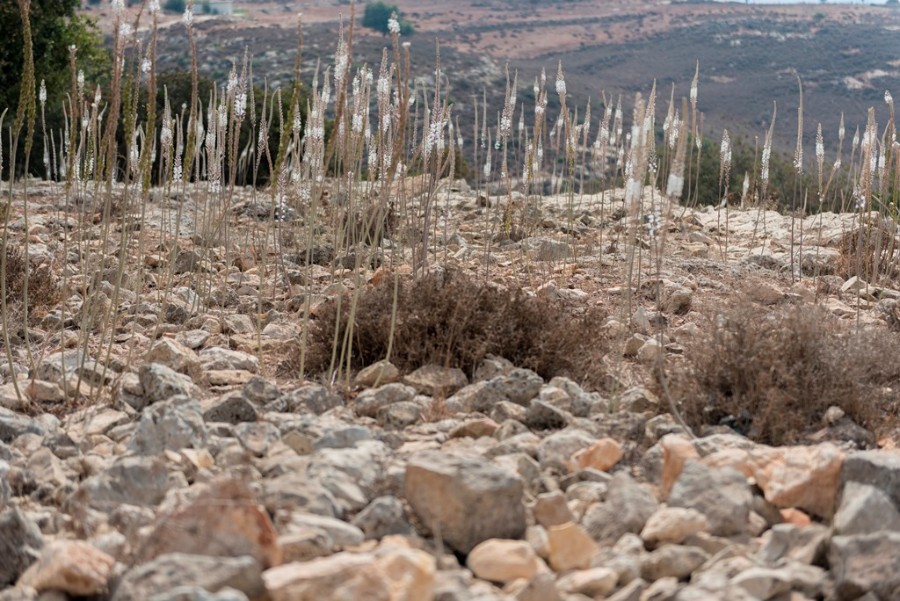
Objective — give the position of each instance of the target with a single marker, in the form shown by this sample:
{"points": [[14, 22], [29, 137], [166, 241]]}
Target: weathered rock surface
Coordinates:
{"points": [[72, 567], [179, 569], [464, 500], [20, 544]]}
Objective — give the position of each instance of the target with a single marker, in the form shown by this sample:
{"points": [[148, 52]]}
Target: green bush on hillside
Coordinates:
{"points": [[377, 14]]}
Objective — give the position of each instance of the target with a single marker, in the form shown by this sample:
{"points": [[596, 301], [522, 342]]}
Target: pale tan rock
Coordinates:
{"points": [[795, 516], [10, 400], [676, 451], [804, 477], [394, 574], [74, 567], [408, 573], [552, 509], [41, 391], [321, 578], [650, 352], [174, 354], [595, 582], [436, 380], [383, 372], [571, 547], [540, 588], [474, 428], [502, 560], [466, 499], [602, 455], [228, 377], [673, 525], [101, 421]]}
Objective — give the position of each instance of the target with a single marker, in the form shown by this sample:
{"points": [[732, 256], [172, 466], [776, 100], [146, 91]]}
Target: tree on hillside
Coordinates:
{"points": [[55, 25], [377, 15]]}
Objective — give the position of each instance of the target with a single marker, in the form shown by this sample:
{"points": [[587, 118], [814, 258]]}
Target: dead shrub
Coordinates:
{"points": [[43, 290], [779, 372], [868, 252], [451, 319]]}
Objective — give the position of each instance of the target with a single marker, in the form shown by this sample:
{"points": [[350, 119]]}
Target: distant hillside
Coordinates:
{"points": [[749, 55]]}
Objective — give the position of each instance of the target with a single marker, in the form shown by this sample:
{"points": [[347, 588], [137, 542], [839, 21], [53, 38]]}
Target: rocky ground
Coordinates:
{"points": [[202, 472]]}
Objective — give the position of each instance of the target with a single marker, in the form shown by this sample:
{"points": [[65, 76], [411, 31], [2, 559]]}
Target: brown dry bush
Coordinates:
{"points": [[780, 371], [451, 319], [868, 252], [43, 289]]}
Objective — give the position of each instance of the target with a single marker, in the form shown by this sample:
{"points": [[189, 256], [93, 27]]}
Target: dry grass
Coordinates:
{"points": [[43, 288], [782, 370], [868, 252], [451, 319]]}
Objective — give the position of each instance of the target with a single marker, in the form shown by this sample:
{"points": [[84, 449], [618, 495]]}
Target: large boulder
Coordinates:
{"points": [[464, 500]]}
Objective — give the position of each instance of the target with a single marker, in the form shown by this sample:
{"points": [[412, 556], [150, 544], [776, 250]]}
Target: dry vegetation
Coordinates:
{"points": [[773, 374], [336, 149], [450, 319]]}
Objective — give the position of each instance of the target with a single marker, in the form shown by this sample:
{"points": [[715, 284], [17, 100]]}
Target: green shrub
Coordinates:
{"points": [[377, 14]]}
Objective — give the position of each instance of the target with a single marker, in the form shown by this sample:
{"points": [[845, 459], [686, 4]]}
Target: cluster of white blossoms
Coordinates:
{"points": [[394, 25]]}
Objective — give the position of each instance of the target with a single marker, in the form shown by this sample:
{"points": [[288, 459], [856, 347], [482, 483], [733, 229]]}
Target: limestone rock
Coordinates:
{"points": [[20, 544], [722, 495], [806, 544], [175, 355], [436, 380], [382, 517], [501, 560], [571, 547], [551, 509], [464, 500], [169, 571], [170, 425], [230, 520], [556, 450], [672, 561], [370, 401], [377, 374], [637, 400], [627, 508], [673, 525], [603, 455], [231, 408], [677, 450], [130, 480], [13, 425], [595, 582], [804, 477], [216, 357], [865, 563], [73, 567], [395, 573], [161, 383], [865, 509]]}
